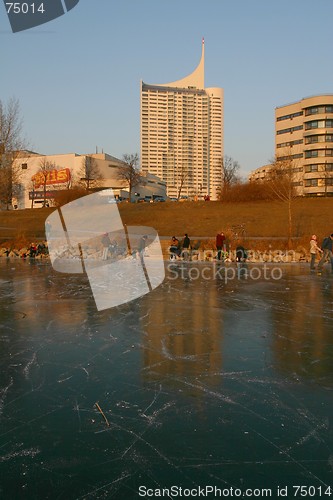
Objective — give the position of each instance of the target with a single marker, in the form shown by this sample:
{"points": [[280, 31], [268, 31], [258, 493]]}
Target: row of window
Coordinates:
{"points": [[289, 117], [315, 182], [318, 182], [319, 167], [312, 139], [314, 110], [313, 124], [289, 144], [319, 124], [318, 153], [289, 130], [315, 153], [288, 157], [314, 167]]}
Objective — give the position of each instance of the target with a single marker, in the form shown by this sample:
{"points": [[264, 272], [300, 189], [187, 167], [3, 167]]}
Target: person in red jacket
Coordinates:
{"points": [[220, 244]]}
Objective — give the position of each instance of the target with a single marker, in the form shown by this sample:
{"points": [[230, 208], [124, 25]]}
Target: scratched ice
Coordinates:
{"points": [[199, 382]]}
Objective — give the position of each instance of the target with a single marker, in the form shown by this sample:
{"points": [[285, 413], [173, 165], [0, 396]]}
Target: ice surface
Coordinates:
{"points": [[202, 382]]}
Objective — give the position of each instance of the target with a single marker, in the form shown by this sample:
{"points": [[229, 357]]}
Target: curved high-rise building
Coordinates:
{"points": [[304, 131], [304, 135], [182, 134]]}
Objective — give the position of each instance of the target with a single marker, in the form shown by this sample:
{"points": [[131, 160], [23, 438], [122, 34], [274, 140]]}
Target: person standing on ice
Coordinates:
{"points": [[174, 248], [314, 248], [220, 244], [142, 246], [106, 244], [327, 247], [186, 247]]}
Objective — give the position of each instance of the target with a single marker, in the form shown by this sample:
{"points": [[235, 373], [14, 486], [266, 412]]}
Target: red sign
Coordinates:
{"points": [[49, 177]]}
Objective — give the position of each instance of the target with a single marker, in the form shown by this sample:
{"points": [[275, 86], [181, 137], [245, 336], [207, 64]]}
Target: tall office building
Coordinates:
{"points": [[182, 134]]}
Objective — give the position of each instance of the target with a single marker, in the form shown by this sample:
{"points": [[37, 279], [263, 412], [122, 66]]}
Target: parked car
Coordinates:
{"points": [[159, 199]]}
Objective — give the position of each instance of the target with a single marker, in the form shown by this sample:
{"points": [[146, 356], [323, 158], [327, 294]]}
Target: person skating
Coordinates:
{"points": [[106, 244], [186, 247], [327, 247], [314, 248], [174, 248], [220, 244]]}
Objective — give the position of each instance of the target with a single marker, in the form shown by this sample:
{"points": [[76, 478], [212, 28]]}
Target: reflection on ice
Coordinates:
{"points": [[202, 382]]}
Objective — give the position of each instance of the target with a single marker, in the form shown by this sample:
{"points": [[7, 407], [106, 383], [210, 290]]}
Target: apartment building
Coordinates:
{"points": [[182, 134], [304, 132]]}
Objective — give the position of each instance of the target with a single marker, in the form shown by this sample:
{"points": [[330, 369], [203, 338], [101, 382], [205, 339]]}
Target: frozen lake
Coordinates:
{"points": [[201, 382]]}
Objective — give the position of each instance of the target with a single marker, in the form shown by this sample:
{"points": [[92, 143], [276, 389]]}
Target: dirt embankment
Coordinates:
{"points": [[261, 226]]}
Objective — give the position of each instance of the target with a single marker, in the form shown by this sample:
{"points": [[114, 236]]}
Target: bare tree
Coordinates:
{"points": [[130, 172], [327, 177], [70, 179], [11, 144], [31, 187], [43, 175], [90, 176], [183, 175], [229, 172], [282, 181]]}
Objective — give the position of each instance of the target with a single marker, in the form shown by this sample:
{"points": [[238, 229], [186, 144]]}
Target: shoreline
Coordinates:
{"points": [[203, 256]]}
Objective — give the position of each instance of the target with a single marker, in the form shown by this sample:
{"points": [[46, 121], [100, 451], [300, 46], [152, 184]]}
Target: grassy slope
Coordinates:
{"points": [[197, 219], [260, 218]]}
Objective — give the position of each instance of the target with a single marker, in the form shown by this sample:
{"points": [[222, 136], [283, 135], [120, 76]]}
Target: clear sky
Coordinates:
{"points": [[78, 77]]}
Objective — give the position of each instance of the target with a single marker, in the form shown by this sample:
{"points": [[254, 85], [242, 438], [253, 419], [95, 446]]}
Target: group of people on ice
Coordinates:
{"points": [[182, 249], [326, 251]]}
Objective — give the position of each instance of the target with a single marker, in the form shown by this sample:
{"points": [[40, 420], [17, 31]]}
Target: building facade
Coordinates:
{"points": [[182, 134], [304, 133], [260, 174], [67, 170]]}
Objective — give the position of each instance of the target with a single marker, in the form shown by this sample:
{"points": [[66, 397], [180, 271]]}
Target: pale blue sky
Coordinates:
{"points": [[78, 78]]}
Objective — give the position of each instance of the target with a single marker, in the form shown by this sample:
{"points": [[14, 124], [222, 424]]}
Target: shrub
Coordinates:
{"points": [[66, 195], [247, 191]]}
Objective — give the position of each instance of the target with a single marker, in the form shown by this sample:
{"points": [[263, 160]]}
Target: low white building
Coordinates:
{"points": [[65, 170]]}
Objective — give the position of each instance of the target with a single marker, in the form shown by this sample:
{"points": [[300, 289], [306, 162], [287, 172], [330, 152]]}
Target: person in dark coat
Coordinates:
{"points": [[186, 246], [106, 242], [327, 247], [241, 254]]}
